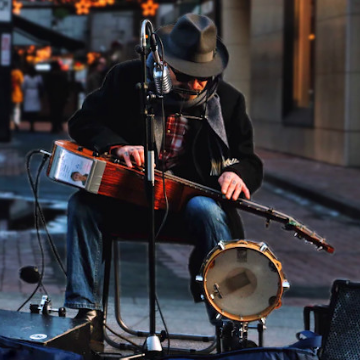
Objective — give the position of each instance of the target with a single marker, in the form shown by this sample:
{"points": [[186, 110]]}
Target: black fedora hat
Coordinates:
{"points": [[192, 46]]}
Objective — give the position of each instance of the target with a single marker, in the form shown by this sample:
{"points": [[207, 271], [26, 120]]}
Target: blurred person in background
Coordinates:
{"points": [[17, 97], [57, 88], [96, 75], [117, 53], [33, 88]]}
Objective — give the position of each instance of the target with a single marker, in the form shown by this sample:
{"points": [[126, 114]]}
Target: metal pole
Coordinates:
{"points": [[152, 343]]}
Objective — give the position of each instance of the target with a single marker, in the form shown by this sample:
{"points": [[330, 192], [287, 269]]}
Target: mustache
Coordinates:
{"points": [[180, 90]]}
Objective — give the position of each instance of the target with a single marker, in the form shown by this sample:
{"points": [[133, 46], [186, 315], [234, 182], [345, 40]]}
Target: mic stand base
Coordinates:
{"points": [[152, 350], [152, 344], [152, 347]]}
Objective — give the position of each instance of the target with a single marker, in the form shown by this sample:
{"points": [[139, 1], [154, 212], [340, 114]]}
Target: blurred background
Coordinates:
{"points": [[298, 64], [296, 61]]}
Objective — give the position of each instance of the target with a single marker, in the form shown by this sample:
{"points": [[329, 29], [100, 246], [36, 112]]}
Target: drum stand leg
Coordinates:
{"points": [[260, 328]]}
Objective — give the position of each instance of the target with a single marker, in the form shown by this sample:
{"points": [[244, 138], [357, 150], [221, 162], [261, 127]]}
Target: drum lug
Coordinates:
{"points": [[285, 284], [199, 278], [263, 247], [262, 321], [221, 245]]}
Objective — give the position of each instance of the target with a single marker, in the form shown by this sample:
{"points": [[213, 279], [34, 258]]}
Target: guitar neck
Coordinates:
{"points": [[300, 230]]}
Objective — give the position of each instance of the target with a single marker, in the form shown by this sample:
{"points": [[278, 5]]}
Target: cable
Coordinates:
{"points": [[39, 218], [34, 189], [164, 322], [122, 337], [38, 207], [40, 212]]}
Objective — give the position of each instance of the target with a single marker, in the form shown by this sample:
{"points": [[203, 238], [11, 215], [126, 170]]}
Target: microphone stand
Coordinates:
{"points": [[152, 344]]}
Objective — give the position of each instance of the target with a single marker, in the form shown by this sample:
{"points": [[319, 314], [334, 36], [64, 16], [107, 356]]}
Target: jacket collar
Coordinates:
{"points": [[215, 119]]}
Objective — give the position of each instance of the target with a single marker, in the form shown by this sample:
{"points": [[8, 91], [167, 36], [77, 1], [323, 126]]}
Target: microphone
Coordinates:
{"points": [[161, 73], [162, 79]]}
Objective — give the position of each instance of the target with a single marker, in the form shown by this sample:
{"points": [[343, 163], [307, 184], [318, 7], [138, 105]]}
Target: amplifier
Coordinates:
{"points": [[47, 330]]}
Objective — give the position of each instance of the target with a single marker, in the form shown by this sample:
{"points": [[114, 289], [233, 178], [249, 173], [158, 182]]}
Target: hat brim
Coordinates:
{"points": [[207, 69]]}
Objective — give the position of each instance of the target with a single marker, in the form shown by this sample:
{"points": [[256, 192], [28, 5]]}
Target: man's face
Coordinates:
{"points": [[77, 176], [183, 81]]}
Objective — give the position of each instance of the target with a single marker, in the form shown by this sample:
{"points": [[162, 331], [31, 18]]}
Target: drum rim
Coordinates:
{"points": [[230, 245]]}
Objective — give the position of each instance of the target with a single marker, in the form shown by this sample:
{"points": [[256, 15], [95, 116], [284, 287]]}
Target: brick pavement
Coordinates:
{"points": [[19, 249]]}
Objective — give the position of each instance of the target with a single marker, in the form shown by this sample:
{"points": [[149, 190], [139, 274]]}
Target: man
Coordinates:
{"points": [[208, 140], [76, 176]]}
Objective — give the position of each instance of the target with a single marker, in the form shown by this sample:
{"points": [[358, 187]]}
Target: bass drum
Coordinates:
{"points": [[243, 280]]}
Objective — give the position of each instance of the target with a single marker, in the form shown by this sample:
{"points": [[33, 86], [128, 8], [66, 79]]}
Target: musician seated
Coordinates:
{"points": [[208, 140]]}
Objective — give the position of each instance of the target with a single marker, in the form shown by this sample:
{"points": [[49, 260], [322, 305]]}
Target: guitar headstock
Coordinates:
{"points": [[302, 232]]}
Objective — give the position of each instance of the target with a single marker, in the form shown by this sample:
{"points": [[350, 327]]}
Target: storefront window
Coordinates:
{"points": [[299, 41]]}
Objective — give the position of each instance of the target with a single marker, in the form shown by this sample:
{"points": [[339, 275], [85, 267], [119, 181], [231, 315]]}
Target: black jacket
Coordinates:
{"points": [[113, 115]]}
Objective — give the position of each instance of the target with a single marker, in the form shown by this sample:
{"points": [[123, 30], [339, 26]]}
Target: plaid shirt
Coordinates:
{"points": [[175, 135]]}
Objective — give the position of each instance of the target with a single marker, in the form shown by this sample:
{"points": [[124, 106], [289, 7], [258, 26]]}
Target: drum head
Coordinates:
{"points": [[243, 283]]}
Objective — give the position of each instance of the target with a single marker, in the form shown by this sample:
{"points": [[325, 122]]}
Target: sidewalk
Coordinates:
{"points": [[340, 192], [333, 186]]}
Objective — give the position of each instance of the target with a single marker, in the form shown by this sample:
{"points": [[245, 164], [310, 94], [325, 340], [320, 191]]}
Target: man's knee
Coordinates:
{"points": [[202, 208]]}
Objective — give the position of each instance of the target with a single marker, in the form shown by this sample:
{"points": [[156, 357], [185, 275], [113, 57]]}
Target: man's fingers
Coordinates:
{"points": [[142, 156], [246, 191], [236, 193], [132, 154], [228, 184], [232, 186], [126, 157], [136, 156]]}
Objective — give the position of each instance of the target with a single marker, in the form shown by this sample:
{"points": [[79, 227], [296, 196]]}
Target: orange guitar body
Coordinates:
{"points": [[128, 184]]}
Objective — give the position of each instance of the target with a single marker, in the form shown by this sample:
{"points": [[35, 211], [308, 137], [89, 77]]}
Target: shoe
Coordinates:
{"points": [[95, 317]]}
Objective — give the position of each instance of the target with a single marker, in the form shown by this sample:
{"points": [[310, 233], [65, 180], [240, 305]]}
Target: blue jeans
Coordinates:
{"points": [[92, 220]]}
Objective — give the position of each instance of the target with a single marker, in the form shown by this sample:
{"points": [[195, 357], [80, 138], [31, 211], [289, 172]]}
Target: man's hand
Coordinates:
{"points": [[131, 152], [232, 185]]}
